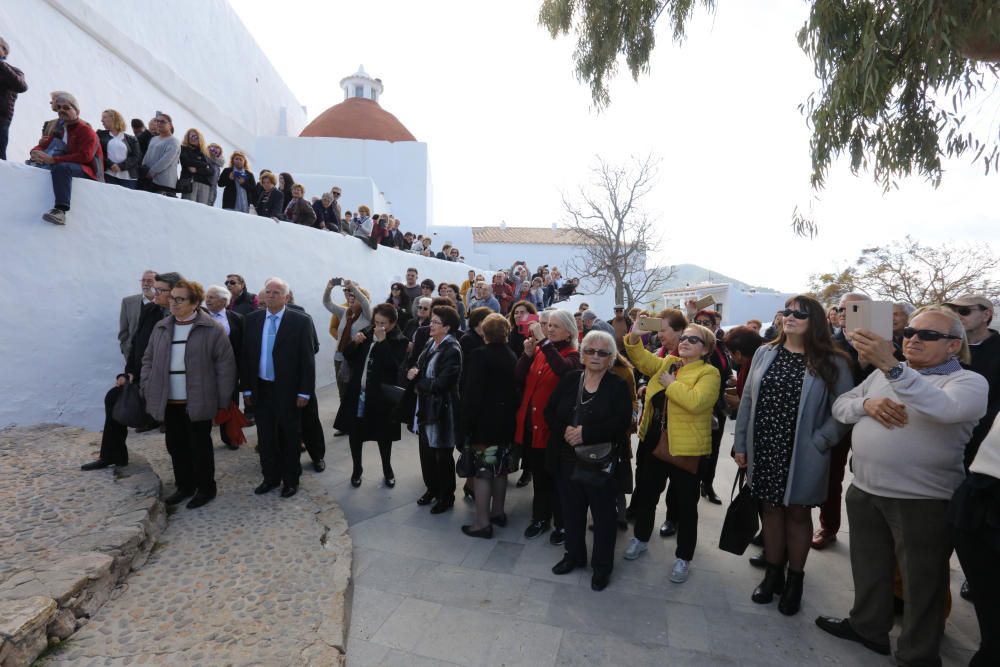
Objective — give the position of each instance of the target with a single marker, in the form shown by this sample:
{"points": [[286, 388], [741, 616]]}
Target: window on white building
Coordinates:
{"points": [[359, 91]]}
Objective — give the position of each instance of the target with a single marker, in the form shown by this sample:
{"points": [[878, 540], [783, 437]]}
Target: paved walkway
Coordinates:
{"points": [[245, 580], [425, 594]]}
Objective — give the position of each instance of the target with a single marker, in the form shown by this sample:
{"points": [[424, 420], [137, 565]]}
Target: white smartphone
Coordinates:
{"points": [[875, 316]]}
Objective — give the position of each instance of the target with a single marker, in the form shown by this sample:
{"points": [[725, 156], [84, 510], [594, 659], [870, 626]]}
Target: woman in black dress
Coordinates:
{"points": [[784, 433], [489, 405], [375, 355]]}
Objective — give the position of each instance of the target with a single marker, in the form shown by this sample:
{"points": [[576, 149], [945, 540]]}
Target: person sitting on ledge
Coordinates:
{"points": [[74, 154]]}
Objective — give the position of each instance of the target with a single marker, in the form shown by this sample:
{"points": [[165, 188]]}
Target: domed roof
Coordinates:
{"points": [[358, 118]]}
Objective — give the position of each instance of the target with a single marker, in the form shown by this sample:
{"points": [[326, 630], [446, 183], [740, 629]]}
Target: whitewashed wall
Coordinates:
{"points": [[193, 59], [61, 287], [399, 168]]}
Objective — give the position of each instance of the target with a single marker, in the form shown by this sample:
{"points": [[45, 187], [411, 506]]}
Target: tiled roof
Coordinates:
{"points": [[357, 118], [529, 235]]}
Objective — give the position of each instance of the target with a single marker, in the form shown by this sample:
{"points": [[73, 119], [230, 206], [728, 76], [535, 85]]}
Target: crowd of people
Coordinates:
{"points": [[557, 396]]}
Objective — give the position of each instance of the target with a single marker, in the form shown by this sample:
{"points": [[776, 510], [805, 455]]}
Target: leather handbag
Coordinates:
{"points": [[688, 464], [129, 408], [466, 465], [392, 394], [741, 522], [185, 184], [597, 455]]}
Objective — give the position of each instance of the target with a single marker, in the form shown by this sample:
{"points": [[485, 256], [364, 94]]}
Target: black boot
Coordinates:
{"points": [[774, 582], [791, 599]]}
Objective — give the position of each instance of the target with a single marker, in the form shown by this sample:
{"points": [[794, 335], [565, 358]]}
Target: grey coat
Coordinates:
{"points": [[816, 431], [128, 321], [209, 364]]}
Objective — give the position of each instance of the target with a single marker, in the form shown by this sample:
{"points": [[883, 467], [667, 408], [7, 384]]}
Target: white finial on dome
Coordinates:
{"points": [[361, 84]]}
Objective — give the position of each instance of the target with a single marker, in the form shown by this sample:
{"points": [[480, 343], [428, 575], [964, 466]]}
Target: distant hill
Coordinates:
{"points": [[692, 274]]}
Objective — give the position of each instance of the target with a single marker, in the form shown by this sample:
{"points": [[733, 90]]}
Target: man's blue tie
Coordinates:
{"points": [[269, 336]]}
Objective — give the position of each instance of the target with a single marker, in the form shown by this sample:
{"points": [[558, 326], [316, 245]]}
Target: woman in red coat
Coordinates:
{"points": [[547, 356]]}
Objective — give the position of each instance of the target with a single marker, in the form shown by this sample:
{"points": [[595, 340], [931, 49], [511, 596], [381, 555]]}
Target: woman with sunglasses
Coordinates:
{"points": [[677, 432], [589, 408], [188, 374], [401, 300], [353, 317], [784, 434]]}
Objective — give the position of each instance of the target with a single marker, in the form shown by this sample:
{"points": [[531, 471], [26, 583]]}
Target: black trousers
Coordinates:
{"points": [[113, 449], [706, 469], [544, 498], [312, 430], [437, 466], [650, 483], [979, 563], [575, 499], [279, 433], [190, 446]]}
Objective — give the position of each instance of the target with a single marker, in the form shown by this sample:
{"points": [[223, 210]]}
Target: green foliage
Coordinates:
{"points": [[894, 74], [910, 271]]}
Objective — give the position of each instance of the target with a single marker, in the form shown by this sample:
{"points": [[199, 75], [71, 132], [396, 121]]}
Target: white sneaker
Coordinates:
{"points": [[635, 548], [679, 574]]}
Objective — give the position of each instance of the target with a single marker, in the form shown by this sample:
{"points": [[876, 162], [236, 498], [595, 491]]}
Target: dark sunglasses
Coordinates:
{"points": [[965, 311], [704, 323], [231, 282], [797, 314], [840, 310], [691, 339], [590, 352], [928, 335]]}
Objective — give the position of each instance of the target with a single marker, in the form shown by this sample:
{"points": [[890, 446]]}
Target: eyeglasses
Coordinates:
{"points": [[591, 352], [437, 322], [230, 283], [422, 308], [179, 299], [704, 323], [162, 290], [840, 310], [965, 311], [797, 314], [691, 339], [927, 335], [63, 107]]}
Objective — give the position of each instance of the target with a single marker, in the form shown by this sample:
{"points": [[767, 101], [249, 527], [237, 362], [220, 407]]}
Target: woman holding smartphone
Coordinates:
{"points": [[784, 433]]}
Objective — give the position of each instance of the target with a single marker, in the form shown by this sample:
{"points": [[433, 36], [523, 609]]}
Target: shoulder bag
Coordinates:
{"points": [[688, 464], [129, 408], [741, 518]]}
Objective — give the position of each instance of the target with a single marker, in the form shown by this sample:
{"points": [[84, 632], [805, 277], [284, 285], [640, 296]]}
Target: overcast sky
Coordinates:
{"points": [[509, 128]]}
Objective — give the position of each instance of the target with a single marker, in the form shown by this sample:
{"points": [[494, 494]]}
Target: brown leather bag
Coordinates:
{"points": [[688, 464]]}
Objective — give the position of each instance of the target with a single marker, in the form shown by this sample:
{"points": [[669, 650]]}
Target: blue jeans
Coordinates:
{"points": [[4, 132], [63, 174]]}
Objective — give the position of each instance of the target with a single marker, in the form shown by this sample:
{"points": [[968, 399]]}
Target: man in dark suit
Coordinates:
{"points": [[216, 299], [312, 427], [128, 318], [278, 377]]}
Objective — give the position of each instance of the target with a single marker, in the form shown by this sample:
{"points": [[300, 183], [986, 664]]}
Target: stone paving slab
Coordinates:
{"points": [[67, 537], [244, 580]]}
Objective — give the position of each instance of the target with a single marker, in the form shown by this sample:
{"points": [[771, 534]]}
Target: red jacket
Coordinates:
{"points": [[540, 379], [83, 148]]}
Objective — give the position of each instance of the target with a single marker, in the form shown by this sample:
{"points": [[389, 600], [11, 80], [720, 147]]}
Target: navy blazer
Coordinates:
{"points": [[294, 361]]}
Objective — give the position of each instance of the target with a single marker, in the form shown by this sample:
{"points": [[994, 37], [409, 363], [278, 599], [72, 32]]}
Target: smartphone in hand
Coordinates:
{"points": [[650, 324], [337, 282]]}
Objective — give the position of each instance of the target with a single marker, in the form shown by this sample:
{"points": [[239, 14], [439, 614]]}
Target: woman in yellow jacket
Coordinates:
{"points": [[675, 432]]}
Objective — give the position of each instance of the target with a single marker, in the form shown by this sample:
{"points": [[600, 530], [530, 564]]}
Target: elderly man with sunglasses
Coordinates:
{"points": [[911, 422]]}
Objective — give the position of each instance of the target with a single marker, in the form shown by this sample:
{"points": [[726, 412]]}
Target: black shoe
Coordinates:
{"points": [[390, 482], [231, 446], [536, 528], [708, 492], [841, 627], [499, 520], [599, 581], [356, 479], [469, 495], [442, 506], [289, 491], [760, 560], [565, 566], [966, 591], [265, 487], [147, 427], [319, 466], [199, 500], [485, 533], [524, 480], [791, 599], [773, 584], [668, 528], [758, 539], [96, 465], [389, 476], [558, 537], [425, 499], [177, 496], [337, 434]]}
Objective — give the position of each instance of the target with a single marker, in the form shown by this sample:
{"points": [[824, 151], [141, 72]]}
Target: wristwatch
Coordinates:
{"points": [[895, 372]]}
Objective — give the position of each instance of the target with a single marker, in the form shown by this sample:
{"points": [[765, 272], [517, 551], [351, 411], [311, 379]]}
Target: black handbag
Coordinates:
{"points": [[129, 408], [185, 184], [741, 522], [599, 455], [466, 465], [392, 394]]}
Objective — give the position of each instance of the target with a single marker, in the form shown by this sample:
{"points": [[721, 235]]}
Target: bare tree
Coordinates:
{"points": [[907, 270], [615, 234]]}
